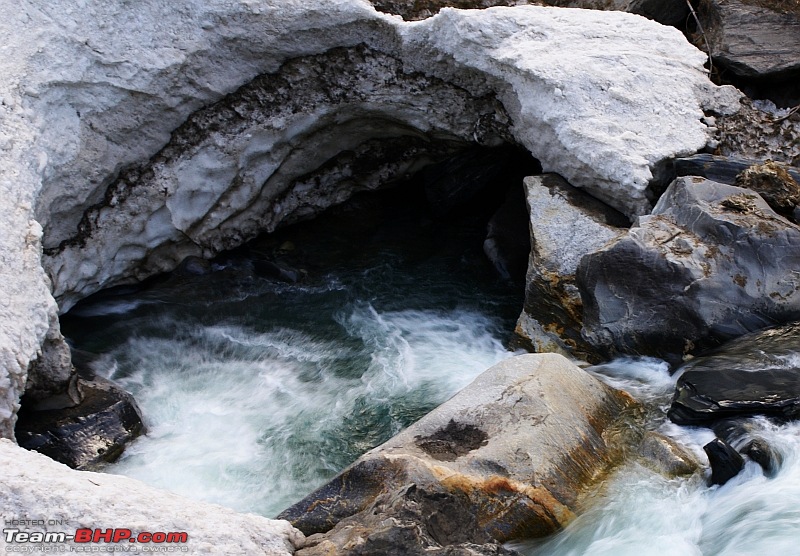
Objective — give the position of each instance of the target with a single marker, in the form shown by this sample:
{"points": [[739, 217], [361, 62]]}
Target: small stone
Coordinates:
{"points": [[725, 462]]}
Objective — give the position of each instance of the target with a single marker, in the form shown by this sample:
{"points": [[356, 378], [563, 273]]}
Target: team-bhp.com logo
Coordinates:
{"points": [[150, 542]]}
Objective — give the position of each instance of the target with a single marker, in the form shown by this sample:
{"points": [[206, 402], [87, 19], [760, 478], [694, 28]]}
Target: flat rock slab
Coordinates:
{"points": [[755, 374], [509, 457], [721, 169], [711, 263]]}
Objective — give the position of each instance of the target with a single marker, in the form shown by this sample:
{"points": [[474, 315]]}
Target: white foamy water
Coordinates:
{"points": [[640, 512], [256, 420]]}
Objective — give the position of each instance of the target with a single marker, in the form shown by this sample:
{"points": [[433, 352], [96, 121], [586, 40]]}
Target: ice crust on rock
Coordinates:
{"points": [[37, 488], [88, 91]]}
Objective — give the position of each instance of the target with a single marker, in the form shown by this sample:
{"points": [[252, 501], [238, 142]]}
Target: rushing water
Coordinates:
{"points": [[641, 512], [257, 391]]}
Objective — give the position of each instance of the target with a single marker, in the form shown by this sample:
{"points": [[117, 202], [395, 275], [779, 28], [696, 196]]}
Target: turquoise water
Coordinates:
{"points": [[256, 391]]}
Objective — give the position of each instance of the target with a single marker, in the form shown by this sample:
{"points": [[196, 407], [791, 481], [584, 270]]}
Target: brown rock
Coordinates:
{"points": [[508, 457]]}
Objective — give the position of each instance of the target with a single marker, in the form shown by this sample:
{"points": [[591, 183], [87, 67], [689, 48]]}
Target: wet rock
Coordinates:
{"points": [[666, 456], [752, 40], [87, 435], [693, 274], [277, 270], [193, 266], [725, 462], [565, 224], [721, 169], [754, 374], [482, 467]]}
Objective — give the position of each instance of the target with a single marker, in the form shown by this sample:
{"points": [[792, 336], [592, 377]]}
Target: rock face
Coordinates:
{"points": [[752, 40], [127, 135], [754, 374], [565, 225], [38, 489], [711, 262], [93, 432], [507, 457]]}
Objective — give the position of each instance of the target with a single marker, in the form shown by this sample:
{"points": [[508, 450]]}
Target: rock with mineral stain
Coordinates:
{"points": [[711, 263], [774, 183], [508, 457], [565, 224]]}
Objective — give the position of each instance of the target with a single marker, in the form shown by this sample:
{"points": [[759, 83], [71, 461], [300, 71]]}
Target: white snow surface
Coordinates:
{"points": [[37, 489], [89, 88]]}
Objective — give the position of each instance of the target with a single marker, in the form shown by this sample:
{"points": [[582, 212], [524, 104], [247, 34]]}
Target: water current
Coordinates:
{"points": [[257, 391]]}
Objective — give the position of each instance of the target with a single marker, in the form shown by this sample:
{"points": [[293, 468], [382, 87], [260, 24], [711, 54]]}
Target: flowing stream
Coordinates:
{"points": [[257, 391]]}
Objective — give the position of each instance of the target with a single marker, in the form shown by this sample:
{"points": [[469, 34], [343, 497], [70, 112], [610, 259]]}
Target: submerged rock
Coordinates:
{"points": [[40, 490], [725, 462], [508, 457], [666, 456], [712, 262], [752, 375], [565, 224], [86, 435]]}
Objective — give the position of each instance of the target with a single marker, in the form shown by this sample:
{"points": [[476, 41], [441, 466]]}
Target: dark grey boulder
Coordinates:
{"points": [[725, 462], [86, 435], [711, 263], [752, 40], [755, 374]]}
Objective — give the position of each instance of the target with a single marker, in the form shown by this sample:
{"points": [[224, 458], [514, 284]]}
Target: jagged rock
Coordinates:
{"points": [[751, 39], [666, 456], [725, 462], [52, 379], [507, 457], [751, 375], [565, 224], [693, 274], [41, 491], [86, 435], [136, 146], [721, 169]]}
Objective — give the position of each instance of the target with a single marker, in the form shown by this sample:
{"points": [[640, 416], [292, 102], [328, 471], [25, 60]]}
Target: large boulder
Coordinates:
{"points": [[712, 262], [42, 495], [508, 457], [754, 374], [565, 224]]}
